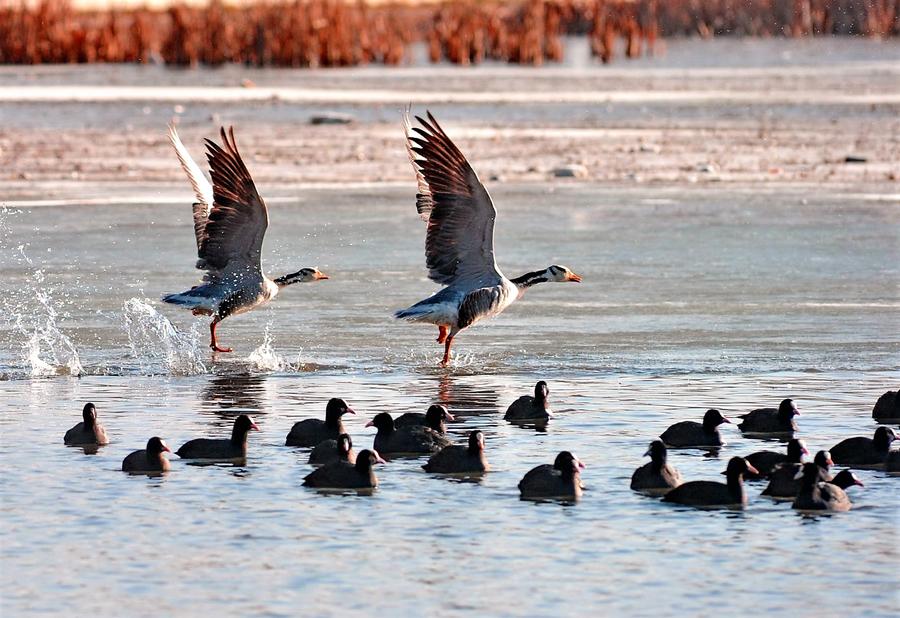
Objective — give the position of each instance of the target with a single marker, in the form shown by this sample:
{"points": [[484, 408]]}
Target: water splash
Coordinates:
{"points": [[265, 358], [34, 315], [159, 347]]}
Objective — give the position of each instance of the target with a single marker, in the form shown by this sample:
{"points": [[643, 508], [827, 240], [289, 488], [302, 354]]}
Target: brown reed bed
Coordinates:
{"points": [[328, 33]]}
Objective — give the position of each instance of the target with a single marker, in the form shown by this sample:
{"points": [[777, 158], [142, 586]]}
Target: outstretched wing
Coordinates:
{"points": [[233, 235], [202, 188], [459, 243]]}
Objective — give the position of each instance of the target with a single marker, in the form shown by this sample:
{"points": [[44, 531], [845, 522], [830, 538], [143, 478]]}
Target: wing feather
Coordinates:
{"points": [[202, 188], [233, 235], [459, 242]]}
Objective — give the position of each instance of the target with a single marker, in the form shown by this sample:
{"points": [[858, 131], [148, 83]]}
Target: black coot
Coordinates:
{"points": [[860, 451], [402, 440], [344, 475], [562, 480], [221, 448], [436, 418], [528, 408], [892, 461], [713, 493], [331, 451], [309, 432], [658, 476], [457, 459], [693, 434], [765, 461], [88, 432], [771, 421], [817, 495], [845, 479], [783, 481], [887, 408], [149, 460]]}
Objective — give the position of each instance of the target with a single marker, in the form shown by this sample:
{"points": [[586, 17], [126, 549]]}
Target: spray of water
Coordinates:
{"points": [[33, 317], [265, 358], [157, 346]]}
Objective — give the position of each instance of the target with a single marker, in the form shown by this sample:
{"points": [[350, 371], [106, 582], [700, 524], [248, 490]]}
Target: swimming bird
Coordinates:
{"points": [[562, 480], [528, 408], [221, 448], [311, 431], [817, 495], [149, 460], [346, 475], [771, 421], [783, 481], [435, 417], [693, 434], [887, 408], [459, 242], [410, 439], [765, 461], [892, 461], [861, 451], [457, 459], [657, 476], [89, 431], [713, 493], [230, 221], [330, 451]]}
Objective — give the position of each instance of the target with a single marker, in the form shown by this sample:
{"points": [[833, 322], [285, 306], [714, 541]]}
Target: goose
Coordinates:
{"points": [[87, 432], [459, 242], [230, 221]]}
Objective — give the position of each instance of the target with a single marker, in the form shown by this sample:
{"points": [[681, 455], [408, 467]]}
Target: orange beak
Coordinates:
{"points": [[321, 276], [575, 278]]}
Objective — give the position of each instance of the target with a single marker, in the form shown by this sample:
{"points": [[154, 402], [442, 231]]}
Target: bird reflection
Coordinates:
{"points": [[228, 395], [467, 399]]}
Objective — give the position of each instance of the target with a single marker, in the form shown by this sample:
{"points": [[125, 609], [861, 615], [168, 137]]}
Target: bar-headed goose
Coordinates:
{"points": [[459, 242], [230, 221]]}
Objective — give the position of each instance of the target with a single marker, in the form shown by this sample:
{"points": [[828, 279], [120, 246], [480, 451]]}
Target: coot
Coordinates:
{"points": [[693, 434], [817, 495], [455, 459], [765, 461], [862, 451], [309, 432], [845, 479], [88, 431], [436, 418], [892, 462], [713, 493], [771, 421], [331, 451], [344, 475], [401, 440], [221, 448], [783, 481], [528, 408], [149, 460], [658, 476], [887, 408], [561, 480]]}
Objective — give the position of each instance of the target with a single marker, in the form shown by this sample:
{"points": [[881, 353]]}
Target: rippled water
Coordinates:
{"points": [[691, 299]]}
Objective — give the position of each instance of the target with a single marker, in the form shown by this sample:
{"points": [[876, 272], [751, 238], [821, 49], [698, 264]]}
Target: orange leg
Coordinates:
{"points": [[447, 345], [212, 338], [442, 335]]}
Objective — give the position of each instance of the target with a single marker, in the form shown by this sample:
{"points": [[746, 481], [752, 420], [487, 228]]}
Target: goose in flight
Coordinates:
{"points": [[230, 221], [459, 242]]}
